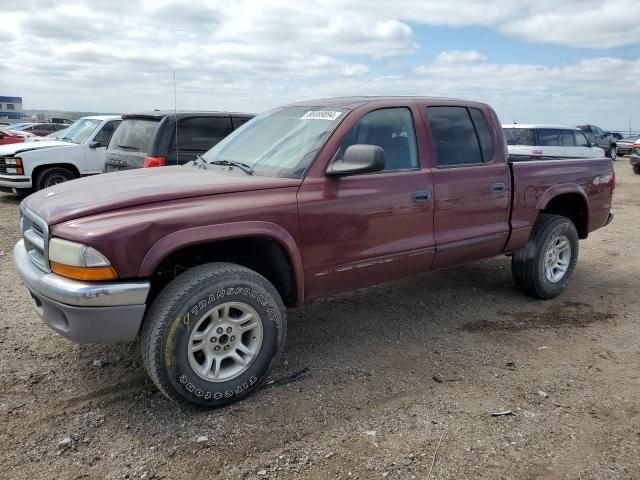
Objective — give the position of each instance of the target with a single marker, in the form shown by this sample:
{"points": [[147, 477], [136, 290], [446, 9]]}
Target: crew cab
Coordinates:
{"points": [[304, 201], [25, 167]]}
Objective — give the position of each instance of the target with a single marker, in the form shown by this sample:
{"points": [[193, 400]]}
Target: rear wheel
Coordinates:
{"points": [[543, 267], [53, 176], [212, 335], [636, 169]]}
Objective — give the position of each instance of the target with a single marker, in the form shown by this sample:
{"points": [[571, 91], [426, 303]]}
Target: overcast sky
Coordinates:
{"points": [[545, 61]]}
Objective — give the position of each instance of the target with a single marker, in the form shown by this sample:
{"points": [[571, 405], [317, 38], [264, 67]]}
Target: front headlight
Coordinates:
{"points": [[77, 261]]}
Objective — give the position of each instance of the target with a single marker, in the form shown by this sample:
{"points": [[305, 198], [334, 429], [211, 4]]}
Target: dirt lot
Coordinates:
{"points": [[394, 372]]}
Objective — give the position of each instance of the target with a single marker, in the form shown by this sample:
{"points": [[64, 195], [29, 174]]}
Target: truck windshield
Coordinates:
{"points": [[279, 143], [81, 130]]}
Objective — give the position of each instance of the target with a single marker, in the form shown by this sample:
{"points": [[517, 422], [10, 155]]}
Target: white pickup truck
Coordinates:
{"points": [[27, 167]]}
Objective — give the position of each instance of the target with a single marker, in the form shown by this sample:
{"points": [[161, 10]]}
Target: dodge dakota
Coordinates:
{"points": [[304, 201]]}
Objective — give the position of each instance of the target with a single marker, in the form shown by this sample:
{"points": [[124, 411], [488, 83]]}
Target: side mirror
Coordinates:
{"points": [[358, 159], [95, 144]]}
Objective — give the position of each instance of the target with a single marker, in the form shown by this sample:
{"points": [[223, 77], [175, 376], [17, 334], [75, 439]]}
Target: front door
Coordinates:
{"points": [[97, 146], [472, 186], [368, 228]]}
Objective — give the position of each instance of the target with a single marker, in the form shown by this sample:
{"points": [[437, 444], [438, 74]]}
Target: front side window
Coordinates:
{"points": [[281, 142], [104, 135], [454, 136], [392, 130], [598, 131], [199, 134], [549, 137], [581, 139]]}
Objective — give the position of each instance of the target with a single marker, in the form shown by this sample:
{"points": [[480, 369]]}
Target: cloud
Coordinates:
{"points": [[120, 55]]}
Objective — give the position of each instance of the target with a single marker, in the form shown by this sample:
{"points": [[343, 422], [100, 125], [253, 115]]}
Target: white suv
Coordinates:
{"points": [[26, 167], [547, 142]]}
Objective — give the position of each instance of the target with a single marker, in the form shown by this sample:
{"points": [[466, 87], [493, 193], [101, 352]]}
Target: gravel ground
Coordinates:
{"points": [[401, 383]]}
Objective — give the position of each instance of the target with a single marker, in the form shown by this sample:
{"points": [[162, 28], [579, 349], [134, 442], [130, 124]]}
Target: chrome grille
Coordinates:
{"points": [[3, 165], [35, 233]]}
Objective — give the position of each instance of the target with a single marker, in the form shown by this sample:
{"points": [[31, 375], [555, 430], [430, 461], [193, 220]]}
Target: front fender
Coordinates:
{"points": [[226, 231]]}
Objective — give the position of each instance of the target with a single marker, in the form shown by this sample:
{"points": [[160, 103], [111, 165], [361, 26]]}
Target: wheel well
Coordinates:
{"points": [[260, 254], [72, 168], [572, 206]]}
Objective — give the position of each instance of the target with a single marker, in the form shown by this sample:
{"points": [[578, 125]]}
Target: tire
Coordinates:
{"points": [[636, 169], [528, 265], [612, 153], [184, 311], [53, 176]]}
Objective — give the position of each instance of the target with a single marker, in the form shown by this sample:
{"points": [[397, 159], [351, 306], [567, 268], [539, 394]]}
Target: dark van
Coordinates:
{"points": [[160, 138]]}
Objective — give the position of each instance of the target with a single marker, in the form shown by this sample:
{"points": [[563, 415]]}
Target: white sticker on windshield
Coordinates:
{"points": [[321, 115]]}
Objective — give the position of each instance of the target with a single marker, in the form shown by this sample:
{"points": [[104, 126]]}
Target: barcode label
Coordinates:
{"points": [[321, 115]]}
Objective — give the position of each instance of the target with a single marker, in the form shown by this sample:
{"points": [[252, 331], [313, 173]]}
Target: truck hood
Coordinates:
{"points": [[112, 191], [14, 148]]}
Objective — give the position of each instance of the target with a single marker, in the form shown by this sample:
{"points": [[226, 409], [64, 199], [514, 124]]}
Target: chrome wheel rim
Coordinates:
{"points": [[614, 153], [225, 341], [557, 259]]}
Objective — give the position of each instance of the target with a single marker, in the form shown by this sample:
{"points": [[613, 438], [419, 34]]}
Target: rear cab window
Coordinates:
{"points": [[134, 135]]}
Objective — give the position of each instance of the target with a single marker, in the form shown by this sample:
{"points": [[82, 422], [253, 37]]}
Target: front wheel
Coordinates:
{"points": [[543, 267], [212, 335], [53, 176], [612, 153], [636, 169]]}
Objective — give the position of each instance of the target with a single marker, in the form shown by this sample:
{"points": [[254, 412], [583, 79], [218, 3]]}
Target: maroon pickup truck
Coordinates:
{"points": [[303, 201]]}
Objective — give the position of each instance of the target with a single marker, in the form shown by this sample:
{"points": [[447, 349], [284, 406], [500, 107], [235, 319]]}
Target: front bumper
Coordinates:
{"points": [[17, 182], [99, 312]]}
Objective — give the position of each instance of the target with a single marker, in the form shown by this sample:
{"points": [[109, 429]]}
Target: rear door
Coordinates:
{"points": [[471, 185], [196, 135], [368, 228], [131, 143]]}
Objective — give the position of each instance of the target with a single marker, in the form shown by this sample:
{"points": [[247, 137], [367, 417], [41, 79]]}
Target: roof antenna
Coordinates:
{"points": [[175, 113]]}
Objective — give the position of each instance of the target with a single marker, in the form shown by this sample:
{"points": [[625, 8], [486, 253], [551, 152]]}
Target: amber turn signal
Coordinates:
{"points": [[84, 273]]}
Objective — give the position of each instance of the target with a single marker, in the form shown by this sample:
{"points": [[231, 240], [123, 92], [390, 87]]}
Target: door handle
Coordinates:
{"points": [[421, 196], [498, 187]]}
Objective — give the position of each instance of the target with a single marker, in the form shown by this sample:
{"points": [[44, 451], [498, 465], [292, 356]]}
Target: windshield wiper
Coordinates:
{"points": [[232, 163], [127, 147], [200, 163]]}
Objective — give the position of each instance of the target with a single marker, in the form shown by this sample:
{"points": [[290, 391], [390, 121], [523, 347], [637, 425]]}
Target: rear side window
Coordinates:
{"points": [[454, 136], [550, 137], [484, 134], [520, 136], [201, 133], [566, 138], [134, 135]]}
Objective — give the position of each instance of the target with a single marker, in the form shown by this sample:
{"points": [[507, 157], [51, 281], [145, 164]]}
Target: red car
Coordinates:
{"points": [[7, 137]]}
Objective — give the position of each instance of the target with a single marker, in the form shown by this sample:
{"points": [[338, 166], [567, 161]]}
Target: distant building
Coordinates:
{"points": [[11, 107]]}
